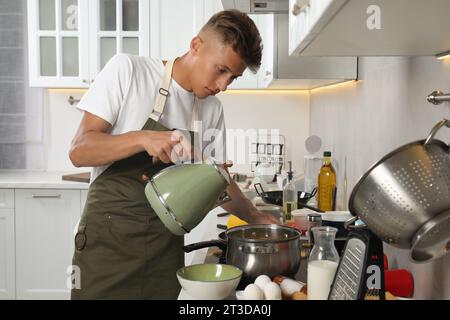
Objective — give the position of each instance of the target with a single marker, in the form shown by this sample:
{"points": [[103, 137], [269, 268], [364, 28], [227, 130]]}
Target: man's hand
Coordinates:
{"points": [[167, 146]]}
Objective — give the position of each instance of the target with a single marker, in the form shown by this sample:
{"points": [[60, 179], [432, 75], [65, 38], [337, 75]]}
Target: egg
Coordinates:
{"points": [[253, 292], [272, 291], [262, 280]]}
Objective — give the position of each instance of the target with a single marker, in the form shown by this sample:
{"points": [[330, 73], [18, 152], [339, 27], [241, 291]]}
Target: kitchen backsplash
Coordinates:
{"points": [[366, 120]]}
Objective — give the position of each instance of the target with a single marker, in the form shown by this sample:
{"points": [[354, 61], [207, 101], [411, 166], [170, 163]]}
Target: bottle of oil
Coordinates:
{"points": [[289, 197], [326, 193]]}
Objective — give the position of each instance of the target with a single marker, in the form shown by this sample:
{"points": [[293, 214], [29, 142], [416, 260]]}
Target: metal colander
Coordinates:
{"points": [[405, 197]]}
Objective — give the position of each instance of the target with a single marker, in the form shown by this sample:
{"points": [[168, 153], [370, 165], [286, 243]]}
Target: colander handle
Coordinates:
{"points": [[348, 225], [436, 128]]}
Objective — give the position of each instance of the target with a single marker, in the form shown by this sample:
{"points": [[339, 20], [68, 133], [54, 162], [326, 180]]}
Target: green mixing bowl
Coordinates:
{"points": [[209, 281]]}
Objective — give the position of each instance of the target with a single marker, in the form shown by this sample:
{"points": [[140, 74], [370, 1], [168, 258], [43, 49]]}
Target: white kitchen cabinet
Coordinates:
{"points": [[368, 27], [71, 40], [7, 245], [173, 24], [45, 220], [117, 26]]}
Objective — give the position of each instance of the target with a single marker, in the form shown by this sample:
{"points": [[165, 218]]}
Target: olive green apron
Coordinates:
{"points": [[122, 249]]}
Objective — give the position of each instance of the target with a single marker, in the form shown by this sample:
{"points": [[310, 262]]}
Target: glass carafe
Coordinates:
{"points": [[322, 263]]}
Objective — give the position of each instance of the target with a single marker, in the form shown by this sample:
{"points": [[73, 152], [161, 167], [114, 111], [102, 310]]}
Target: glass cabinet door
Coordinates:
{"points": [[59, 41], [119, 26]]}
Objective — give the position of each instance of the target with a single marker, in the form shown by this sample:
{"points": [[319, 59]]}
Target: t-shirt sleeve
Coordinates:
{"points": [[106, 95], [215, 139]]}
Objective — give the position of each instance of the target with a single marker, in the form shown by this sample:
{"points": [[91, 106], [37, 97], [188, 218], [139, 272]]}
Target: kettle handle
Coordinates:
{"points": [[223, 198], [435, 129]]}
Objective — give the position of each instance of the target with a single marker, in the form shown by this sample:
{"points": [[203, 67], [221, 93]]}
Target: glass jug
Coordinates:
{"points": [[322, 263]]}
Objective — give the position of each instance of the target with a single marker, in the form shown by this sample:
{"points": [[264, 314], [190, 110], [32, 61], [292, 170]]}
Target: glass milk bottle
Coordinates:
{"points": [[322, 263]]}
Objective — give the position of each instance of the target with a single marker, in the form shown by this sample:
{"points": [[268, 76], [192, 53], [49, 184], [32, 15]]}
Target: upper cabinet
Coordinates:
{"points": [[71, 40], [368, 27]]}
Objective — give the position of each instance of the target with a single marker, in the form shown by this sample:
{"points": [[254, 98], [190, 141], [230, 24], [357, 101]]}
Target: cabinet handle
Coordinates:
{"points": [[299, 6], [72, 100], [86, 81], [54, 196]]}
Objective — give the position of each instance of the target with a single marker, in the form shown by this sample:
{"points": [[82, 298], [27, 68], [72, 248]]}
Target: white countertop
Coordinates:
{"points": [[37, 179]]}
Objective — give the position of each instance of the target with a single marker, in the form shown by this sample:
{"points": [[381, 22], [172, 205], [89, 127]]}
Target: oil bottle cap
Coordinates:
{"points": [[327, 154]]}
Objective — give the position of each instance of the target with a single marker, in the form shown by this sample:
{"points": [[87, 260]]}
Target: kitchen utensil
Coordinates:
{"points": [[276, 197], [405, 197], [182, 195], [258, 249], [361, 268], [399, 282], [209, 281]]}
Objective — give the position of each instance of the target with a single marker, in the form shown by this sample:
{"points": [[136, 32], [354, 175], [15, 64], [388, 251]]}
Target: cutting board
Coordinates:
{"points": [[78, 177]]}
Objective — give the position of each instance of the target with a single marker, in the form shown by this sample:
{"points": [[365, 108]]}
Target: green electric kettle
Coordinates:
{"points": [[182, 195]]}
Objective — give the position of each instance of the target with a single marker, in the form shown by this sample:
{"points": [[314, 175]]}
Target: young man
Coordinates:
{"points": [[123, 251]]}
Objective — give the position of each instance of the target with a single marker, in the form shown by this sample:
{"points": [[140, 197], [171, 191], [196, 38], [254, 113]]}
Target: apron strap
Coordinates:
{"points": [[163, 92]]}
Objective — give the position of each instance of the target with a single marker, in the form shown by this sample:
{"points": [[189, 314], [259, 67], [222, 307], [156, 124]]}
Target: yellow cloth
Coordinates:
{"points": [[234, 221]]}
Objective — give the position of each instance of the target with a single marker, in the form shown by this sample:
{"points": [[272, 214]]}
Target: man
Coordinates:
{"points": [[123, 251]]}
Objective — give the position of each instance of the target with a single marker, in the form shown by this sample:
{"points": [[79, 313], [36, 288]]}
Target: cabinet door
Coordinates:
{"points": [[117, 26], [58, 43], [45, 220], [7, 256], [173, 25], [266, 27], [248, 80]]}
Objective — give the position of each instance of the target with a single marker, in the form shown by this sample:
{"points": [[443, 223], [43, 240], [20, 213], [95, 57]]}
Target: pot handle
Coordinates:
{"points": [[436, 128], [258, 249], [261, 191], [205, 244]]}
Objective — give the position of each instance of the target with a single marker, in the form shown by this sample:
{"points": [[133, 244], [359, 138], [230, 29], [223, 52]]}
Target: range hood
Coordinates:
{"points": [[257, 6]]}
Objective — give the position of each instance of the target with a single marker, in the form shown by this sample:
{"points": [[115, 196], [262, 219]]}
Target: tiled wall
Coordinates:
{"points": [[384, 110]]}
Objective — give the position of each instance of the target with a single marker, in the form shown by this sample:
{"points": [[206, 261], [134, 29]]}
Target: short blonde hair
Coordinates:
{"points": [[236, 29]]}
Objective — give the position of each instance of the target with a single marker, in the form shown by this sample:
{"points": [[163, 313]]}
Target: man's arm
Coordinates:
{"points": [[92, 146], [243, 208]]}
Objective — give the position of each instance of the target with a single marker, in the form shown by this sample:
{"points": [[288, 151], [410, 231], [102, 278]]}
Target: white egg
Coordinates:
{"points": [[262, 280], [272, 291], [253, 292]]}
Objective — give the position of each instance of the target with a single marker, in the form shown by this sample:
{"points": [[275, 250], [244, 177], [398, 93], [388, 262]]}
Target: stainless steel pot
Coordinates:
{"points": [[264, 249], [405, 197], [258, 249]]}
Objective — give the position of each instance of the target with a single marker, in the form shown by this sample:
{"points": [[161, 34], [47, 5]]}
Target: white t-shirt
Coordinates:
{"points": [[124, 94]]}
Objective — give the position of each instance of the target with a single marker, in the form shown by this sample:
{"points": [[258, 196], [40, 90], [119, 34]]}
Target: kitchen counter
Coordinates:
{"points": [[212, 233], [22, 179]]}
